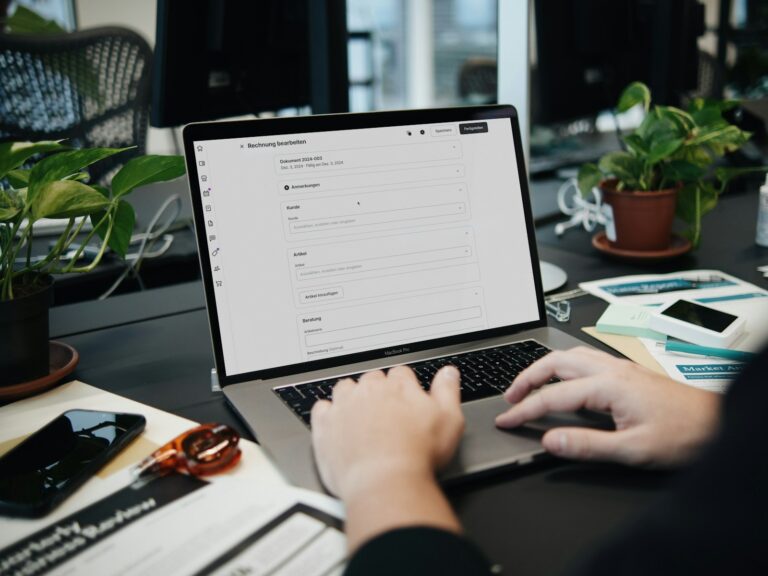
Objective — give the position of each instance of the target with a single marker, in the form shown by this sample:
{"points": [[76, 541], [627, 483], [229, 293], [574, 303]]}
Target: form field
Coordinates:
{"points": [[375, 211], [382, 217], [394, 262], [361, 335], [381, 253]]}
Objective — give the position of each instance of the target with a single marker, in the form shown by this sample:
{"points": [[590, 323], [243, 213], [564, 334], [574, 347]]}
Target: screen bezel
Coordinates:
{"points": [[193, 133]]}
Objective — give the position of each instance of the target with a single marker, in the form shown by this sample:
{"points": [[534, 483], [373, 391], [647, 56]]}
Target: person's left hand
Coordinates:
{"points": [[386, 426]]}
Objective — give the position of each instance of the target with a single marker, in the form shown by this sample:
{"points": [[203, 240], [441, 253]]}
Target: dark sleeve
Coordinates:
{"points": [[715, 518], [418, 551]]}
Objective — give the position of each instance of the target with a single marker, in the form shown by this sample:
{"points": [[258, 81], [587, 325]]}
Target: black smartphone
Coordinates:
{"points": [[45, 468]]}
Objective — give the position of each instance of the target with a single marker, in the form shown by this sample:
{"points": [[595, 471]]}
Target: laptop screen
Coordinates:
{"points": [[325, 244]]}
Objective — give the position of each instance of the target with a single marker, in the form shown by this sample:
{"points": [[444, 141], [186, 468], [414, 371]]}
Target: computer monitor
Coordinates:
{"points": [[587, 51], [217, 59]]}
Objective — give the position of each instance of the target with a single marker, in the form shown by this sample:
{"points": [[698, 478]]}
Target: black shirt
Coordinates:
{"points": [[713, 521]]}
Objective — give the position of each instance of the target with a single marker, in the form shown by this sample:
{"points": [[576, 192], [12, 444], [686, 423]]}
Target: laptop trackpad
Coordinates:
{"points": [[485, 448]]}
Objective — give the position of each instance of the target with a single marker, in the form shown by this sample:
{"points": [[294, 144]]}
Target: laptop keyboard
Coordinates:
{"points": [[484, 373]]}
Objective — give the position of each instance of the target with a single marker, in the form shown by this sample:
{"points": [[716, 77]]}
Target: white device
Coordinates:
{"points": [[697, 324]]}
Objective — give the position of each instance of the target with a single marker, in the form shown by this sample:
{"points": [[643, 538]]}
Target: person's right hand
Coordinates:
{"points": [[659, 422]]}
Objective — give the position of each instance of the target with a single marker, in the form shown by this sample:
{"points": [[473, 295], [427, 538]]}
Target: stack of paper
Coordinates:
{"points": [[709, 287], [246, 521]]}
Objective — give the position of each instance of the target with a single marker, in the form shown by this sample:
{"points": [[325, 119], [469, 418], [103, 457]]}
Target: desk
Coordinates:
{"points": [[154, 347]]}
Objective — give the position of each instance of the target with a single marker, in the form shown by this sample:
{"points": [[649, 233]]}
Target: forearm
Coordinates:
{"points": [[396, 499]]}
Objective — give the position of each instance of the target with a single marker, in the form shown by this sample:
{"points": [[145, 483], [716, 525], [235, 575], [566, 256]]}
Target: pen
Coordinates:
{"points": [[673, 345]]}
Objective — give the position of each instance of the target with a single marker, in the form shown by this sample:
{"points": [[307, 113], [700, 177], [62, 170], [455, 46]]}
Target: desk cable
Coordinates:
{"points": [[147, 240]]}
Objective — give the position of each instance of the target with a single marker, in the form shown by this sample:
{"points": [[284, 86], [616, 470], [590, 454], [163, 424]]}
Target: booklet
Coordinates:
{"points": [[179, 524]]}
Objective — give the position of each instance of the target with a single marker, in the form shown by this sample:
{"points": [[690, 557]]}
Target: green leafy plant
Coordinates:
{"points": [[26, 21], [57, 186], [673, 148]]}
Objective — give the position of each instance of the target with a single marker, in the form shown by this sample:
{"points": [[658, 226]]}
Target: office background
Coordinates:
{"points": [[410, 53]]}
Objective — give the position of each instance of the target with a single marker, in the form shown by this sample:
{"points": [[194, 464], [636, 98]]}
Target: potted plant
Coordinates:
{"points": [[666, 170], [57, 186]]}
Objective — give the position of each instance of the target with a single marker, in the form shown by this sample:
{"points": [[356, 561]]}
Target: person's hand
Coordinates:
{"points": [[659, 422], [386, 425]]}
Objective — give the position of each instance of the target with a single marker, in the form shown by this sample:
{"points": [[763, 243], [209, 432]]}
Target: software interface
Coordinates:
{"points": [[332, 243]]}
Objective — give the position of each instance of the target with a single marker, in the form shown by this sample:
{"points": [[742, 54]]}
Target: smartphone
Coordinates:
{"points": [[39, 473], [697, 324]]}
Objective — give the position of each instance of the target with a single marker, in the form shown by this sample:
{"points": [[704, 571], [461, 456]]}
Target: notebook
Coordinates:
{"points": [[335, 244]]}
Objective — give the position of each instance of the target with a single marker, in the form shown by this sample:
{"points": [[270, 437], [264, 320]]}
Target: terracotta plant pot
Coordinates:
{"points": [[642, 220], [24, 355]]}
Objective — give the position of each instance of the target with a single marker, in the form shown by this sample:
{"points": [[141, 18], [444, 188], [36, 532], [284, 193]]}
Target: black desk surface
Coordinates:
{"points": [[154, 347]]}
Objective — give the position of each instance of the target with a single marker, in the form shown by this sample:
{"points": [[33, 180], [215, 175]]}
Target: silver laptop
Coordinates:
{"points": [[331, 245]]}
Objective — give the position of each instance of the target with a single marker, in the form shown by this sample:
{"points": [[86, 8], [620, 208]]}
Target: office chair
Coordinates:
{"points": [[89, 87], [478, 80]]}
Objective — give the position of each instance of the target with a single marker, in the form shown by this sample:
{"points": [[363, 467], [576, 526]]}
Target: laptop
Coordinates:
{"points": [[335, 244]]}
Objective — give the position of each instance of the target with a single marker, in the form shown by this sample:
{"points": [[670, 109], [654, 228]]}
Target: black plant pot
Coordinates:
{"points": [[24, 334]]}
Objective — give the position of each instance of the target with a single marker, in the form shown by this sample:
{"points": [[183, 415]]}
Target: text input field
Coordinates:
{"points": [[380, 210], [384, 262], [363, 333], [382, 217]]}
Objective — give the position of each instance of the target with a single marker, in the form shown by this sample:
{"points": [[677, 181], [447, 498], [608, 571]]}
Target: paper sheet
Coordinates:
{"points": [[630, 346], [705, 286], [713, 374], [25, 416]]}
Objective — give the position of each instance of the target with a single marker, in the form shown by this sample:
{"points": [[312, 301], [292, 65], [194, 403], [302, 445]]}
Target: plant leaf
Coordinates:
{"points": [[636, 144], [697, 104], [10, 204], [693, 201], [682, 171], [663, 148], [720, 137], [65, 164], [65, 199], [8, 213], [101, 190], [725, 174], [14, 154], [79, 176], [589, 177], [695, 155], [707, 116], [635, 93], [125, 218], [122, 228], [684, 121], [146, 170], [18, 178], [624, 166], [26, 21]]}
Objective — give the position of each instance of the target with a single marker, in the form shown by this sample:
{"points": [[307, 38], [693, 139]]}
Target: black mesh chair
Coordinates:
{"points": [[90, 87], [478, 80]]}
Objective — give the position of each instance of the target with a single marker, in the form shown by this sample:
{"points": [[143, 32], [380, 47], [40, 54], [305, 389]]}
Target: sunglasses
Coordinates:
{"points": [[201, 451]]}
